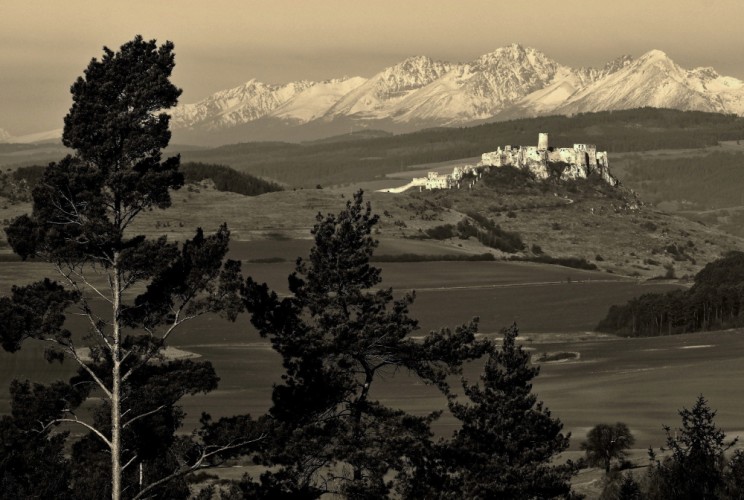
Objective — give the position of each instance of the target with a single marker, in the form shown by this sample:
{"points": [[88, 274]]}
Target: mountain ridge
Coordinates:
{"points": [[511, 82], [419, 92]]}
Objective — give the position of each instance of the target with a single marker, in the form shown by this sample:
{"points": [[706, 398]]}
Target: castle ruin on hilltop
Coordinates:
{"points": [[542, 161], [578, 162]]}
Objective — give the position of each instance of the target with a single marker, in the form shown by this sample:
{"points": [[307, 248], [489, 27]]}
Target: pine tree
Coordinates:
{"points": [[337, 334], [508, 439], [695, 467], [133, 291]]}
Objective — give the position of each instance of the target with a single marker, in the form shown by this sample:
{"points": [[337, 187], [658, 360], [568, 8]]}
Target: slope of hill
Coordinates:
{"points": [[580, 223], [356, 160], [576, 223]]}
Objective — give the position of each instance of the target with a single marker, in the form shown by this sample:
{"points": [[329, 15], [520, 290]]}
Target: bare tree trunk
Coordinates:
{"points": [[116, 386]]}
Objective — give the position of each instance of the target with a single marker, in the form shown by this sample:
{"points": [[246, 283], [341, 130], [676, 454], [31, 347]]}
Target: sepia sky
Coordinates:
{"points": [[45, 45]]}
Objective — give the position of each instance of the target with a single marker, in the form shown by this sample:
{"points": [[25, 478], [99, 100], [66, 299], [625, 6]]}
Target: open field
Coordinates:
{"points": [[640, 381]]}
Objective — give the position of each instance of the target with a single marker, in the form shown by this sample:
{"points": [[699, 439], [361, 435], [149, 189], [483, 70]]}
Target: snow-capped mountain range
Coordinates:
{"points": [[511, 82]]}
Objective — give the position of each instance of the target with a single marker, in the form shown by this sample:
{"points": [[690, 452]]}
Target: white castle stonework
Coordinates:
{"points": [[580, 161]]}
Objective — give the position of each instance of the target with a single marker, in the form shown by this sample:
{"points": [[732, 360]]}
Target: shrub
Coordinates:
{"points": [[442, 232]]}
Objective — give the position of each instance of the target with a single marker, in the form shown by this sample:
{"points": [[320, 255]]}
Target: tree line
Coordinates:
{"points": [[323, 162], [715, 301], [24, 179]]}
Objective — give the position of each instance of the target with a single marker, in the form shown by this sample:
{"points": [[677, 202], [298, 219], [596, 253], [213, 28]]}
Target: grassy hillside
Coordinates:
{"points": [[584, 223], [704, 185], [343, 161]]}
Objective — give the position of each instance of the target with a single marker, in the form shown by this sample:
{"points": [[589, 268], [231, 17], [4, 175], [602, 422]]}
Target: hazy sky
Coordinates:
{"points": [[45, 45]]}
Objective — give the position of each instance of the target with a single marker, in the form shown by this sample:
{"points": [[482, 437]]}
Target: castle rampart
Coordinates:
{"points": [[581, 161]]}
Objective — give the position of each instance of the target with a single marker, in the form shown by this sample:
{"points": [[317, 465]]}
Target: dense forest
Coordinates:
{"points": [[715, 301], [331, 162], [17, 185], [228, 179]]}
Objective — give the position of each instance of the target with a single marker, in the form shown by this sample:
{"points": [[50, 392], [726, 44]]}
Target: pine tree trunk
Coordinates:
{"points": [[116, 387]]}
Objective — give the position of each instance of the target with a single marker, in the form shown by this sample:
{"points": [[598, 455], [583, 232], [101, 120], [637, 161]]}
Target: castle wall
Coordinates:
{"points": [[582, 160]]}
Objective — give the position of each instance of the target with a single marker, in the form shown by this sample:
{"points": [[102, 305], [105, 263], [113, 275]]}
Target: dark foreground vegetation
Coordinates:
{"points": [[697, 463], [715, 301]]}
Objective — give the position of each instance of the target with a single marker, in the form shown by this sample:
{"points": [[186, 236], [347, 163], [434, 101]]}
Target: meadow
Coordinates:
{"points": [[640, 381]]}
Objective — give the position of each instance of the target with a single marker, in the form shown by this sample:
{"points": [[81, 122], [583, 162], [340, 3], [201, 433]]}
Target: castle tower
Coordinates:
{"points": [[542, 141], [591, 152]]}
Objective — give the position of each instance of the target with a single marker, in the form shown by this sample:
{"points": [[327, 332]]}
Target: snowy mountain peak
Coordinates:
{"points": [[509, 82], [657, 59], [654, 54], [413, 72], [514, 53], [4, 136], [616, 64]]}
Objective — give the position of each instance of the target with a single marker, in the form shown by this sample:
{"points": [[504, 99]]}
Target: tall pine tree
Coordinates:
{"points": [[696, 465], [338, 334], [133, 292]]}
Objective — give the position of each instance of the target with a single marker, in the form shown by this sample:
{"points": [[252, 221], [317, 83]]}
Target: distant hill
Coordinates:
{"points": [[582, 223], [354, 160]]}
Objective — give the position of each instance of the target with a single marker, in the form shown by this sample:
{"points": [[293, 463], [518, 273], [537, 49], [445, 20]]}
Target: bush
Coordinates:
{"points": [[442, 232], [492, 236]]}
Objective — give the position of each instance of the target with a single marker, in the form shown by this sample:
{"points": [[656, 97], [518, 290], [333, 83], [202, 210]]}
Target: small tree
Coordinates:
{"points": [[605, 443], [695, 468], [508, 440], [133, 292], [338, 333]]}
